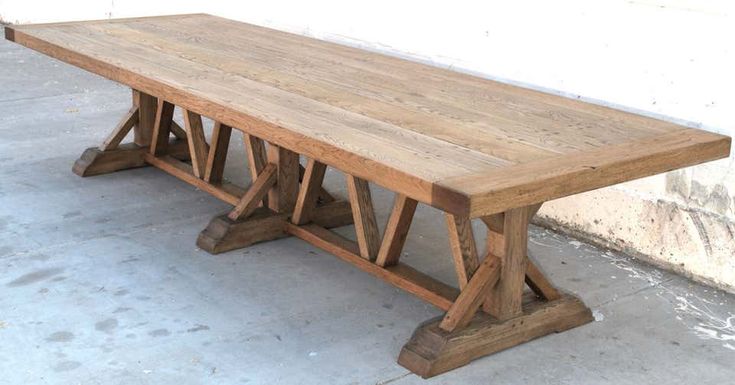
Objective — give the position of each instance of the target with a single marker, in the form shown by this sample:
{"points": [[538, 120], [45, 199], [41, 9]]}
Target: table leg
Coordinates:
{"points": [[492, 313], [113, 156]]}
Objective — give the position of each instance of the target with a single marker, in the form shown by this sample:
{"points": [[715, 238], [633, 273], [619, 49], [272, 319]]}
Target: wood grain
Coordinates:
{"points": [[215, 166], [282, 198], [161, 127], [505, 299], [311, 186], [121, 130], [366, 227], [197, 142], [396, 230], [402, 276], [260, 187], [466, 145], [463, 247]]}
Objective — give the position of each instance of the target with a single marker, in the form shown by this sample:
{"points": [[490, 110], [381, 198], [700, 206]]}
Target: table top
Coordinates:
{"points": [[461, 143]]}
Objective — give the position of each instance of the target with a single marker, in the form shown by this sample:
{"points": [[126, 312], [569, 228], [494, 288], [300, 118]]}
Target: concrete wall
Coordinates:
{"points": [[667, 58]]}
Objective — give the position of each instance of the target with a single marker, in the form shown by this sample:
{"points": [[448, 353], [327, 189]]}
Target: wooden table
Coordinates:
{"points": [[472, 148]]}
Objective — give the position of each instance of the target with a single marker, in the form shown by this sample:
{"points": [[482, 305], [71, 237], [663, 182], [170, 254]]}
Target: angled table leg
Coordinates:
{"points": [[113, 156]]}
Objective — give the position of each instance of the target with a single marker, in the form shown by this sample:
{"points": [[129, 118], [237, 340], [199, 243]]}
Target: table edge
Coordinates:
{"points": [[420, 189], [548, 179]]}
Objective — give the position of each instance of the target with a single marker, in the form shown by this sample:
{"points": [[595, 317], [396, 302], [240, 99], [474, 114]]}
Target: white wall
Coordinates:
{"points": [[668, 58]]}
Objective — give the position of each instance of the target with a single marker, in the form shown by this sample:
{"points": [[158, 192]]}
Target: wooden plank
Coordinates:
{"points": [[366, 227], [162, 127], [143, 129], [255, 193], [535, 182], [122, 129], [282, 198], [311, 186], [401, 276], [226, 192], [537, 281], [217, 155], [197, 142], [431, 109], [472, 296], [463, 144], [257, 156], [463, 247], [324, 195], [177, 130], [504, 300], [396, 230]]}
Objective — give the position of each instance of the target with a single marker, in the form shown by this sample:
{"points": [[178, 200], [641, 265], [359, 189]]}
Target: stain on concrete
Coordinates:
{"points": [[72, 214], [39, 257], [65, 366], [62, 336], [108, 326], [197, 328], [121, 292], [35, 276], [159, 333], [121, 310], [677, 183], [702, 231], [143, 298], [58, 279], [715, 198]]}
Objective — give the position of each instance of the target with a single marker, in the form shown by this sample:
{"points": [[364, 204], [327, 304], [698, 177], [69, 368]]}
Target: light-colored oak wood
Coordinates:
{"points": [[215, 166], [282, 198], [472, 295], [324, 195], [505, 299], [469, 146], [226, 192], [177, 130], [396, 230], [162, 127], [311, 186], [257, 157], [260, 187], [366, 227], [143, 129], [463, 247], [255, 193], [537, 281], [400, 275], [121, 130], [432, 350], [223, 234], [197, 142]]}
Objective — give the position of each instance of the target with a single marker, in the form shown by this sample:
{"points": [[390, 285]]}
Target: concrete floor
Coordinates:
{"points": [[102, 284]]}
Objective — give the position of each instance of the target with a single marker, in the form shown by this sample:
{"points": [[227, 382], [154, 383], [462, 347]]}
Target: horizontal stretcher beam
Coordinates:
{"points": [[400, 275]]}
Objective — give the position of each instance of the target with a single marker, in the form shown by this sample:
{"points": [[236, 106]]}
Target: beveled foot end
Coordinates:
{"points": [[223, 234], [432, 351], [126, 156]]}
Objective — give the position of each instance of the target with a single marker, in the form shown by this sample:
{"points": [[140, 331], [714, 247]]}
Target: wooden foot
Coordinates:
{"points": [[224, 234], [95, 161], [432, 350]]}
